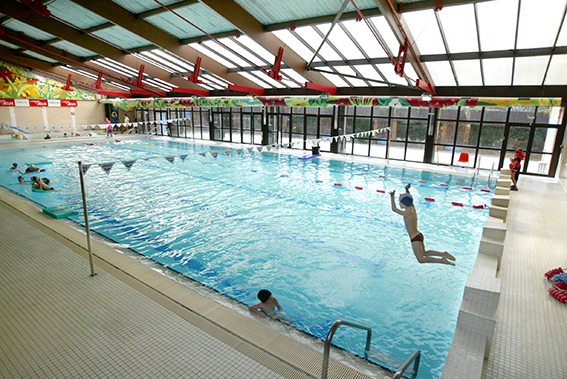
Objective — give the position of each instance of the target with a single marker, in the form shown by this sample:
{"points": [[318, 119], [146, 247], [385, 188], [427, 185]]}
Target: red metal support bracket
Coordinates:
{"points": [[37, 6], [98, 80], [68, 85], [139, 82], [438, 5], [195, 77], [275, 71], [401, 60]]}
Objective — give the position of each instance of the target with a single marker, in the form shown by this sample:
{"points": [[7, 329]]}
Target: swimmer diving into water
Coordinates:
{"points": [[410, 219]]}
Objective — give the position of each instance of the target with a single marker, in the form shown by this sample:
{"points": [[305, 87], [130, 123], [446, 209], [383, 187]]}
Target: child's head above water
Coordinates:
{"points": [[264, 295], [406, 199]]}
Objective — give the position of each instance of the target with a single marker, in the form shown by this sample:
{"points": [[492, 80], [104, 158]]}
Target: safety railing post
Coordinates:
{"points": [[85, 212]]}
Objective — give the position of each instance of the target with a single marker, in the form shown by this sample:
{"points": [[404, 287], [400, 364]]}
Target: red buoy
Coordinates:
{"points": [[467, 188], [380, 191], [429, 199], [485, 190], [444, 185], [382, 176], [479, 206], [457, 204], [338, 184], [358, 188]]}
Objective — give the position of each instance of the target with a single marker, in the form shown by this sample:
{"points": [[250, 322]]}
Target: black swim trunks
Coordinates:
{"points": [[418, 238]]}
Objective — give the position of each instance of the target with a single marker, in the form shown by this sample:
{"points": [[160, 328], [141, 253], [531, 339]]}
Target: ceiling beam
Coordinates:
{"points": [[237, 16], [22, 13], [346, 16], [127, 20], [402, 33], [160, 10]]}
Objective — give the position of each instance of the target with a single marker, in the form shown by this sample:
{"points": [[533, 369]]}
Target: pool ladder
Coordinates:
{"points": [[384, 359]]}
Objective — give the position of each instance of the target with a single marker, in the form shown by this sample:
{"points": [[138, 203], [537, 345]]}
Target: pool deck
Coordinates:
{"points": [[131, 321]]}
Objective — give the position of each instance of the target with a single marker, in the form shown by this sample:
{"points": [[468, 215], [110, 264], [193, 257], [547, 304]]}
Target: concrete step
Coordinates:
{"points": [[479, 318], [504, 183], [502, 191], [466, 356], [498, 212], [501, 200], [505, 171], [494, 230], [482, 289], [491, 246], [486, 265]]}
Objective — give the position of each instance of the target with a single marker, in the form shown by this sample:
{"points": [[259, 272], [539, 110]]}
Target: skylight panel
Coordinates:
{"points": [[254, 79], [562, 40], [256, 48], [497, 18], [163, 62], [381, 25], [349, 71], [296, 45], [459, 27], [309, 35], [342, 42], [364, 38], [294, 75], [221, 50], [425, 32], [164, 82], [441, 73], [168, 57], [153, 62], [118, 86], [468, 72], [119, 65], [387, 70], [9, 45], [245, 53], [80, 72], [529, 71], [104, 64], [369, 72], [335, 79], [265, 77], [30, 31], [557, 73], [539, 23], [212, 55], [497, 71]]}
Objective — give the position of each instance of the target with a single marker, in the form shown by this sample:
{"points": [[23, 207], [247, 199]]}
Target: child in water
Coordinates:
{"points": [[410, 220], [267, 305]]}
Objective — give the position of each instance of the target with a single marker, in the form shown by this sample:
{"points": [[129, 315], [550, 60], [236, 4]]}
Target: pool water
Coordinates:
{"points": [[249, 220]]}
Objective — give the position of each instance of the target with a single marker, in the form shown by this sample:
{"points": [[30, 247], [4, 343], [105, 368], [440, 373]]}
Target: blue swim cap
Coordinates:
{"points": [[406, 199], [14, 164]]}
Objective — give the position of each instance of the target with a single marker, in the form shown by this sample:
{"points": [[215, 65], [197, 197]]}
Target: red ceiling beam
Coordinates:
{"points": [[257, 91], [190, 91], [146, 92], [118, 94], [322, 88]]}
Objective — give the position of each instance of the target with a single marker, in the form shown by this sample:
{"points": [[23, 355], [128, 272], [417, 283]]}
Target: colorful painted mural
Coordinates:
{"points": [[19, 84], [323, 101]]}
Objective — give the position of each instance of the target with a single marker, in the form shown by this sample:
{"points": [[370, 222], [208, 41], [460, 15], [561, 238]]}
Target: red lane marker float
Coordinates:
{"points": [[457, 204], [485, 190], [380, 191], [338, 184], [358, 188], [467, 188], [429, 199], [421, 181], [479, 206], [381, 176], [444, 185], [363, 173]]}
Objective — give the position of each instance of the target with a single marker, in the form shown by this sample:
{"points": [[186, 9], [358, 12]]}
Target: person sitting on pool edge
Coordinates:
{"points": [[38, 183], [267, 305], [410, 220]]}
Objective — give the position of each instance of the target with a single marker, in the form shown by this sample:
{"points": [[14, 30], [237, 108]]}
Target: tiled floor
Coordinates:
{"points": [[64, 323], [58, 322], [531, 326]]}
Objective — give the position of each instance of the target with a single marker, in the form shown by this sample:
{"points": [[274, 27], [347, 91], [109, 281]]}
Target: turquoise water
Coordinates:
{"points": [[244, 222]]}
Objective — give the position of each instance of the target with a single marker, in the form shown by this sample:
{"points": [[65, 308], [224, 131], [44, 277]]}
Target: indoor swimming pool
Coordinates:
{"points": [[320, 234]]}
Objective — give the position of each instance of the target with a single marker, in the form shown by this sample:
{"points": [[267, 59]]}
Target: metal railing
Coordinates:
{"points": [[329, 338], [416, 356]]}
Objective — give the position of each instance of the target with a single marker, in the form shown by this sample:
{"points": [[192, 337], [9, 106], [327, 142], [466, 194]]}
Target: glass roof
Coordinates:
{"points": [[497, 18], [459, 28], [71, 12], [497, 71], [30, 31], [539, 23]]}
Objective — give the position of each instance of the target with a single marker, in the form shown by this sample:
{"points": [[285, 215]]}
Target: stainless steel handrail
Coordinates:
{"points": [[329, 338], [415, 356]]}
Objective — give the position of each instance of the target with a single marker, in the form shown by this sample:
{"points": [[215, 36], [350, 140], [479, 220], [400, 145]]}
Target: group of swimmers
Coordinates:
{"points": [[37, 182]]}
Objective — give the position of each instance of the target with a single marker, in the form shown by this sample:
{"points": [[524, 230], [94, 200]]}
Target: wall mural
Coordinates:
{"points": [[325, 101], [19, 84]]}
